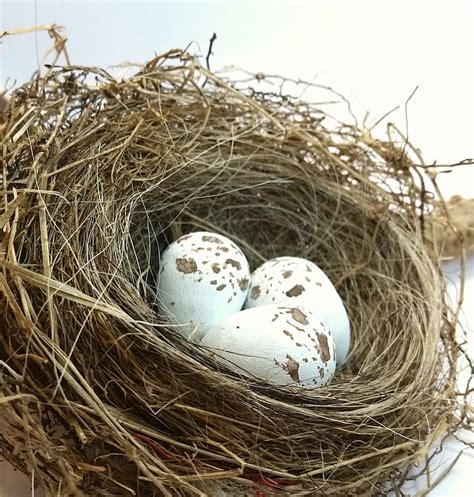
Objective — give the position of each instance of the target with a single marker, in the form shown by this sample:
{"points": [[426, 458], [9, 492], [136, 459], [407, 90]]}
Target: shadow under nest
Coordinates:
{"points": [[100, 396]]}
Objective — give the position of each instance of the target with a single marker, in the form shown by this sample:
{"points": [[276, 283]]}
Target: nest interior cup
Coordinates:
{"points": [[99, 395]]}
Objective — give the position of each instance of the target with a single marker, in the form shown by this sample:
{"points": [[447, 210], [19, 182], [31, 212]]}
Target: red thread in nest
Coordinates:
{"points": [[155, 446]]}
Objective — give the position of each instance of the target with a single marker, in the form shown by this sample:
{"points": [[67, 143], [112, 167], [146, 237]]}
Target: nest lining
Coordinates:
{"points": [[100, 395]]}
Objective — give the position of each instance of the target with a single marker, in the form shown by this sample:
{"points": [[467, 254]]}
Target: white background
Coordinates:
{"points": [[375, 53]]}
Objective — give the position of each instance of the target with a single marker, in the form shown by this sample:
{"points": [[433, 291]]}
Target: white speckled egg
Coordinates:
{"points": [[203, 278], [278, 344], [295, 281]]}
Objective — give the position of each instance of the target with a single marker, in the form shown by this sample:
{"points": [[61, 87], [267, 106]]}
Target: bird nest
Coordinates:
{"points": [[100, 396]]}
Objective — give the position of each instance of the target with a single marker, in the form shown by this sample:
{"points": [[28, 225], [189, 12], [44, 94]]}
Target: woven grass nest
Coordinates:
{"points": [[99, 396]]}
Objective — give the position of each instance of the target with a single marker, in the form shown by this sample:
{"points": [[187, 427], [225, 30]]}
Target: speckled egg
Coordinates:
{"points": [[203, 278], [295, 281], [278, 344]]}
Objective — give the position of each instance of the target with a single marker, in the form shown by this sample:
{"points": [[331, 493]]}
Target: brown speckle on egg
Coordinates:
{"points": [[293, 325], [323, 344], [243, 284], [321, 372], [214, 282], [287, 274], [291, 367], [233, 263], [295, 291], [184, 238], [221, 287], [186, 266], [215, 267], [288, 334], [212, 239], [255, 292], [298, 315]]}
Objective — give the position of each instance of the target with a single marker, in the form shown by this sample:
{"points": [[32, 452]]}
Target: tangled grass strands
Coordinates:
{"points": [[100, 396]]}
